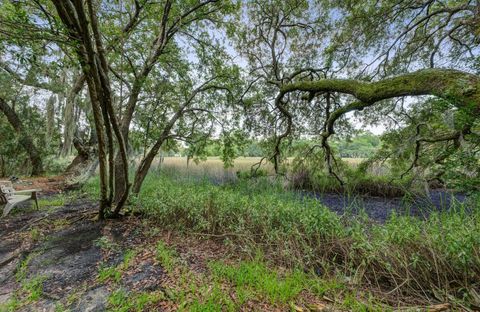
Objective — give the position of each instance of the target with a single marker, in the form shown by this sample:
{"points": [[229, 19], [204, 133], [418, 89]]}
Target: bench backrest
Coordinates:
{"points": [[6, 191]]}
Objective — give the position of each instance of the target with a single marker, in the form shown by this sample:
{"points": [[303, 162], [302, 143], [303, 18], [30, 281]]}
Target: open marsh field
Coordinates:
{"points": [[377, 208], [213, 167]]}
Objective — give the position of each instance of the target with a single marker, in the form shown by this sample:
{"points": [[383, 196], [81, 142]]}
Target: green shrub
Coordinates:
{"points": [[56, 165]]}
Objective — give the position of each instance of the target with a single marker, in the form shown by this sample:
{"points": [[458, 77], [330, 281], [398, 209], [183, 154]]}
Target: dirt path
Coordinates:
{"points": [[54, 249], [50, 260]]}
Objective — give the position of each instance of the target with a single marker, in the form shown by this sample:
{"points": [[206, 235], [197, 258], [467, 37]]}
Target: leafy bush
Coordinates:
{"points": [[312, 174], [56, 165]]}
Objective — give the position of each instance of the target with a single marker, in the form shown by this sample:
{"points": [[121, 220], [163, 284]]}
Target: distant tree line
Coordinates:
{"points": [[361, 145]]}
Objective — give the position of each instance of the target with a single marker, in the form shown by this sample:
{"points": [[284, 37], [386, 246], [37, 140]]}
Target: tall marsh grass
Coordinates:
{"points": [[435, 258]]}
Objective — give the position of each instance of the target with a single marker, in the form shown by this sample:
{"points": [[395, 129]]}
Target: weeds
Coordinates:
{"points": [[114, 273], [166, 256], [122, 301], [12, 304], [255, 275], [226, 286], [423, 258], [106, 243], [109, 273], [33, 288], [53, 201]]}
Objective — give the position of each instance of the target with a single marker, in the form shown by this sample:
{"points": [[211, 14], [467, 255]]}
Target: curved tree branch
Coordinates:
{"points": [[460, 88]]}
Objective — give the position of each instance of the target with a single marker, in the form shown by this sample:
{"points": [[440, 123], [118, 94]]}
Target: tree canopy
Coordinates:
{"points": [[116, 81]]}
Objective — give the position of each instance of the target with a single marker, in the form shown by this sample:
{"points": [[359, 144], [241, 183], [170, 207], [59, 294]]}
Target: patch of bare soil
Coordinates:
{"points": [[48, 185], [55, 248]]}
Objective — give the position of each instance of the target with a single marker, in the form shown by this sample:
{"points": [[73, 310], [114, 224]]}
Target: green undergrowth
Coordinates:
{"points": [[121, 300], [52, 201], [114, 273], [255, 277], [231, 286], [31, 287], [435, 259]]}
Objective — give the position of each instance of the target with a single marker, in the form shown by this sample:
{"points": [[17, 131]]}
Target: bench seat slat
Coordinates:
{"points": [[9, 197]]}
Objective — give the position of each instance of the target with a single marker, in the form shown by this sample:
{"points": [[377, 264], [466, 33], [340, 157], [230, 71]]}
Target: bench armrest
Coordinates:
{"points": [[27, 191]]}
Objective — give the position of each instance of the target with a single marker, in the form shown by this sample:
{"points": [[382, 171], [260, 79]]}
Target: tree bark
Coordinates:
{"points": [[146, 162], [50, 119], [69, 115], [82, 26], [83, 163], [24, 138], [460, 88]]}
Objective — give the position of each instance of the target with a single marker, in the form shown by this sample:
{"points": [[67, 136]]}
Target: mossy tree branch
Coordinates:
{"points": [[459, 88]]}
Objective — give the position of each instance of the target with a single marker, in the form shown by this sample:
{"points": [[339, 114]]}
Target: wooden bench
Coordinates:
{"points": [[9, 197]]}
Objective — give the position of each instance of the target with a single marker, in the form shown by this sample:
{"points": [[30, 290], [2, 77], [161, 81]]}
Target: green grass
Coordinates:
{"points": [[33, 288], [408, 255], [114, 273], [53, 201], [214, 299], [166, 256], [12, 304], [227, 286], [123, 301], [255, 277], [109, 273]]}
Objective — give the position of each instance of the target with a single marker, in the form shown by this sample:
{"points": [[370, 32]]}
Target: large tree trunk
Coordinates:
{"points": [[24, 138], [50, 119], [83, 165], [81, 23], [157, 49], [125, 129], [69, 114]]}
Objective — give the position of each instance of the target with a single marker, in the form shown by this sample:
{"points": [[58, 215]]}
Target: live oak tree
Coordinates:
{"points": [[378, 43], [19, 77], [108, 40], [386, 38], [186, 21], [196, 100], [404, 35], [280, 41], [32, 63]]}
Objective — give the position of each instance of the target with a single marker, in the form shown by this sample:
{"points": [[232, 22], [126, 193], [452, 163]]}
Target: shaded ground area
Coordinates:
{"points": [[50, 259], [51, 251]]}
